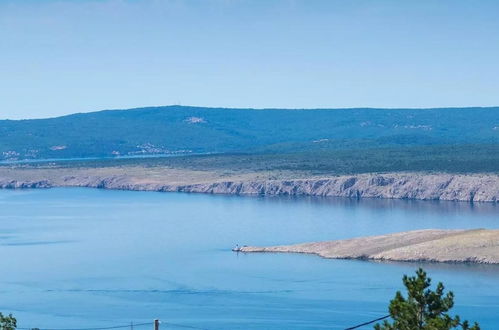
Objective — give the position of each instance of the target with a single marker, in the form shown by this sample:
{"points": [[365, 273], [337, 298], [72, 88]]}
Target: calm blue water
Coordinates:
{"points": [[91, 258]]}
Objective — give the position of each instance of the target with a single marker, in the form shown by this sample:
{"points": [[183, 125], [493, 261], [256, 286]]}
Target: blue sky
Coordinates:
{"points": [[61, 57]]}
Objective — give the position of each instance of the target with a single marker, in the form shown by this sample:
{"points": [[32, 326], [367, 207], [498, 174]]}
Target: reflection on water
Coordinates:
{"points": [[465, 269], [86, 257], [432, 206]]}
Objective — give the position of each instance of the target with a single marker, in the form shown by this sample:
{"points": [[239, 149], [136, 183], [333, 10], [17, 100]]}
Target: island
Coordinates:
{"points": [[447, 154]]}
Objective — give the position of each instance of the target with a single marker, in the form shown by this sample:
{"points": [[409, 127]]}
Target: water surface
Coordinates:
{"points": [[92, 258]]}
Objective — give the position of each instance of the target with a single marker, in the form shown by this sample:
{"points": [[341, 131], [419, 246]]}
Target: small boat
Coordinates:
{"points": [[238, 248]]}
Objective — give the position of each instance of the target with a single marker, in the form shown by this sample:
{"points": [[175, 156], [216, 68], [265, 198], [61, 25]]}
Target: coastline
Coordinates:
{"points": [[477, 246], [417, 186]]}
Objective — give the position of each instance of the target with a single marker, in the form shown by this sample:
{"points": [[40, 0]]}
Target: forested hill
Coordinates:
{"points": [[184, 130]]}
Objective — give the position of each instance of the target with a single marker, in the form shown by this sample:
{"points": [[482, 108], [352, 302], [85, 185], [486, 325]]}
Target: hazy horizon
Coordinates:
{"points": [[64, 57], [246, 108]]}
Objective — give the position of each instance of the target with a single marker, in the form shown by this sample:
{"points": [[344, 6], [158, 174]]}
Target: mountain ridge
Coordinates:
{"points": [[164, 107], [188, 130]]}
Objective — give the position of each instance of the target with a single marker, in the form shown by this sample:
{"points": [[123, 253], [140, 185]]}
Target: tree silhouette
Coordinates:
{"points": [[7, 322], [423, 309]]}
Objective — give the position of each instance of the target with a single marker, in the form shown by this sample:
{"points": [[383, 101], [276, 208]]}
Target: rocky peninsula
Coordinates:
{"points": [[422, 186], [431, 245]]}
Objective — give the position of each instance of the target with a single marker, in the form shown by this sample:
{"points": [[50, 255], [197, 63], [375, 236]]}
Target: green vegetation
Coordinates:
{"points": [[329, 142], [186, 130], [446, 158], [423, 308], [7, 322]]}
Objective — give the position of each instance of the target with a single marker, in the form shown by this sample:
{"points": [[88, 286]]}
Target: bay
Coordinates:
{"points": [[77, 258]]}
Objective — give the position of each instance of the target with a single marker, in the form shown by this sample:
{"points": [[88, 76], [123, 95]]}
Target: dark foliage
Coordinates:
{"points": [[7, 322], [178, 129], [423, 308]]}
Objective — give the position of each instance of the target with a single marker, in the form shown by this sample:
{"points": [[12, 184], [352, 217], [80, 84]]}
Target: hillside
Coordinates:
{"points": [[192, 130], [442, 154]]}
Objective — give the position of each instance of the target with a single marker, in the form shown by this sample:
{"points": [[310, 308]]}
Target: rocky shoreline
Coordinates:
{"points": [[431, 245], [421, 186]]}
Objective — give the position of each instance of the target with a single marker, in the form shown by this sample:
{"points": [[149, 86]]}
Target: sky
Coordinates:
{"points": [[61, 57]]}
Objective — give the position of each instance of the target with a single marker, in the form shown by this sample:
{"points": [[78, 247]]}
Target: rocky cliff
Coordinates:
{"points": [[452, 187], [414, 186]]}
